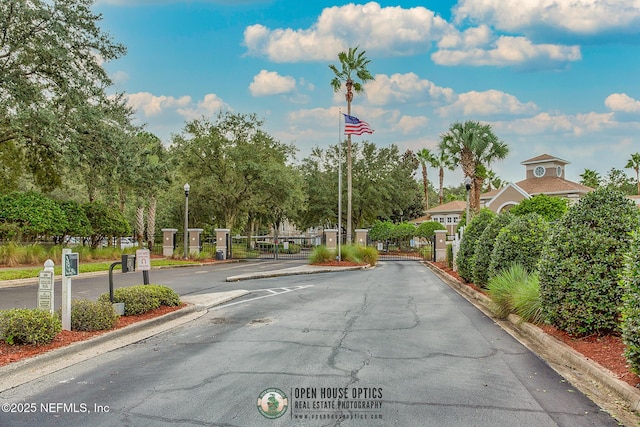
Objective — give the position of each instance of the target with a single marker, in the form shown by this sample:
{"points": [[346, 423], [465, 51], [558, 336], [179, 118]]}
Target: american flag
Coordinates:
{"points": [[355, 126]]}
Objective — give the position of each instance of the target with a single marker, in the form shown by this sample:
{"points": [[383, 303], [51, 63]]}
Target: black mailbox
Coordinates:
{"points": [[128, 263]]}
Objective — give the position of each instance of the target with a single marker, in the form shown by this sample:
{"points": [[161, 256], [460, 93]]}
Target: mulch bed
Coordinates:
{"points": [[14, 353]]}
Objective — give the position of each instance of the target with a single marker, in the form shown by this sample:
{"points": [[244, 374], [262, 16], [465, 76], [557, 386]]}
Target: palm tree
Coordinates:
{"points": [[493, 181], [425, 156], [590, 178], [440, 162], [634, 163], [353, 64], [472, 146]]}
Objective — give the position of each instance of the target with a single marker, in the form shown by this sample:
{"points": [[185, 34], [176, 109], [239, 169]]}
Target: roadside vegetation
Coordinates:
{"points": [[576, 269], [38, 327]]}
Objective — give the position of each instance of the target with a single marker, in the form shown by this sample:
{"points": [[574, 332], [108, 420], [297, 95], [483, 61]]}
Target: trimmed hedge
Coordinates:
{"points": [[484, 248], [521, 242], [472, 233], [582, 262], [140, 299], [28, 326], [630, 326], [92, 315]]}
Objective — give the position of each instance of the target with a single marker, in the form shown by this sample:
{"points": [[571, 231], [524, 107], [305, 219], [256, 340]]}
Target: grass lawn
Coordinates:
{"points": [[27, 273]]}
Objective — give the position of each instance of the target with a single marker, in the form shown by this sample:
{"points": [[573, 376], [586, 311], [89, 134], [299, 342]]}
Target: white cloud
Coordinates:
{"points": [[390, 30], [403, 88], [271, 83], [119, 77], [209, 106], [490, 102], [510, 51], [621, 102], [411, 124], [545, 123], [152, 105], [471, 37], [582, 17]]}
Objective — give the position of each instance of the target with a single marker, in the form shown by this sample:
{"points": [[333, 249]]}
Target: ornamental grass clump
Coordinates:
{"points": [[321, 254], [515, 290], [28, 326]]}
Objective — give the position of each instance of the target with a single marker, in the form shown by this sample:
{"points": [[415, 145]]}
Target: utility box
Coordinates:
{"points": [[128, 263]]}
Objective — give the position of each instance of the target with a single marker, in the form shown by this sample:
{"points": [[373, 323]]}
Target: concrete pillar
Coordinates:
{"points": [[441, 245], [331, 238], [361, 236], [221, 241], [168, 239], [194, 240]]}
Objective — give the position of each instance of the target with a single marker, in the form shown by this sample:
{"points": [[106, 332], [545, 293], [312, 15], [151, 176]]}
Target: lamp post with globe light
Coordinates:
{"points": [[186, 220], [467, 185]]}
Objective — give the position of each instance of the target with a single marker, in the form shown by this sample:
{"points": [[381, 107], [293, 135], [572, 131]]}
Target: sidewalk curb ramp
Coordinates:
{"points": [[595, 381]]}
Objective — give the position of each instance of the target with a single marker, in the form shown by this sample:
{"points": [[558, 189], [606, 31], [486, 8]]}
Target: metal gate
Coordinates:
{"points": [[417, 249], [269, 247]]}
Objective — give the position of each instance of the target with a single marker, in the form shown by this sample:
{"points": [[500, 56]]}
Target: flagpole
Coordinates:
{"points": [[339, 186]]}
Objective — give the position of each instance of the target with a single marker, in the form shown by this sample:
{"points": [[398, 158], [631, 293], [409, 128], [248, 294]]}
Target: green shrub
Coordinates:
{"points": [[630, 282], [582, 262], [137, 299], [484, 248], [552, 208], [427, 229], [167, 296], [521, 241], [464, 260], [28, 326], [321, 254], [92, 315]]}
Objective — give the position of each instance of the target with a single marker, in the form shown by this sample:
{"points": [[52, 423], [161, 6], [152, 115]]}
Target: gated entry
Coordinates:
{"points": [[417, 249], [269, 247]]}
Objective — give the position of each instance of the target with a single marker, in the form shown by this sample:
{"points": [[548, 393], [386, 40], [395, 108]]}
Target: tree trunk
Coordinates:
{"points": [[441, 188], [425, 185], [140, 225], [151, 222], [349, 164]]}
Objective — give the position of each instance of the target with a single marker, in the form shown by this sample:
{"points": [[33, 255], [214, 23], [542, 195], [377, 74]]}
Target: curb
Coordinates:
{"points": [[15, 374], [21, 372], [594, 380], [294, 271]]}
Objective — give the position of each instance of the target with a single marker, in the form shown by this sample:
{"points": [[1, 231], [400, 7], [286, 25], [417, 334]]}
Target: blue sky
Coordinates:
{"points": [[551, 76]]}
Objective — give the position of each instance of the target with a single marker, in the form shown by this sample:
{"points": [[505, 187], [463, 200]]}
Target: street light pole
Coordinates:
{"points": [[186, 220], [467, 184]]}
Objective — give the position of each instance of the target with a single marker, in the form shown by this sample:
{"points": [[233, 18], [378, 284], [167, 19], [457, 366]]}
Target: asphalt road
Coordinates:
{"points": [[184, 280], [388, 346]]}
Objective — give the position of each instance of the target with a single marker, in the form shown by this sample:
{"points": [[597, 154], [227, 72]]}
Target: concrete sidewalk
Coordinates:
{"points": [[302, 269]]}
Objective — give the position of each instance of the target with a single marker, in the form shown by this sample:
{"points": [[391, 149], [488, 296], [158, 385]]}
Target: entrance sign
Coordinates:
{"points": [[143, 259], [70, 264], [45, 291]]}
